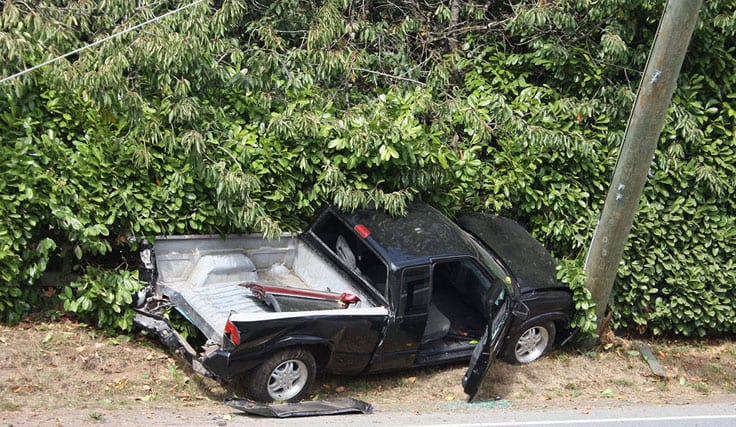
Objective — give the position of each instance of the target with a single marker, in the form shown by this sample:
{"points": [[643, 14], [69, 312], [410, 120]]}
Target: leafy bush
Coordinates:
{"points": [[563, 105], [103, 298], [570, 273], [249, 116]]}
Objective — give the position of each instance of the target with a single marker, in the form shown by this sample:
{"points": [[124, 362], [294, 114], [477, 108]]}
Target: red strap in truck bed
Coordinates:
{"points": [[260, 290]]}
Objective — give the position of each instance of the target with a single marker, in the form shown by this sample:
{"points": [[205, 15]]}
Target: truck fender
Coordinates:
{"points": [[225, 366], [558, 317], [322, 349]]}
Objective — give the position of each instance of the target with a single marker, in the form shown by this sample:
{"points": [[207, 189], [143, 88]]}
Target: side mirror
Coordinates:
{"points": [[521, 310]]}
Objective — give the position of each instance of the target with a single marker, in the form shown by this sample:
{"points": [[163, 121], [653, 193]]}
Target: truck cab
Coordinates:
{"points": [[442, 288]]}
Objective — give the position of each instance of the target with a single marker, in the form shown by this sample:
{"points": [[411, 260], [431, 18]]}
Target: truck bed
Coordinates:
{"points": [[202, 275]]}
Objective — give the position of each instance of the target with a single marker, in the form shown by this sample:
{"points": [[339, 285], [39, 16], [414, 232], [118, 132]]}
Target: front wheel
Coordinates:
{"points": [[529, 344], [286, 376]]}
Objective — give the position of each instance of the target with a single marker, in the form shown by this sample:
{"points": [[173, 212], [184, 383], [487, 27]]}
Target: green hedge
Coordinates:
{"points": [[249, 116]]}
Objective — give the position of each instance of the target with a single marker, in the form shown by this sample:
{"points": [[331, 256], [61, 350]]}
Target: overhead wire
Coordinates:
{"points": [[98, 42]]}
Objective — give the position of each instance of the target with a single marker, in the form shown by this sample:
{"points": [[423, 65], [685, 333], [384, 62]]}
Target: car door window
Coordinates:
{"points": [[352, 252]]}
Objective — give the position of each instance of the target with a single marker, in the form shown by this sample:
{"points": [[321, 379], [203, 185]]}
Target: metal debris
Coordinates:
{"points": [[301, 409]]}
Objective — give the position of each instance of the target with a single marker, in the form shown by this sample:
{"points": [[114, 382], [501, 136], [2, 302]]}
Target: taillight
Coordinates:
{"points": [[232, 332], [362, 230]]}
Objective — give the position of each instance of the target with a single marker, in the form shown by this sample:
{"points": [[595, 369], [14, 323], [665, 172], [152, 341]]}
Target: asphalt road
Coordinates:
{"points": [[719, 414], [723, 414], [457, 414]]}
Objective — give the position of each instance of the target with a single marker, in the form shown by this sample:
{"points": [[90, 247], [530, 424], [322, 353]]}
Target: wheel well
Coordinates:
{"points": [[321, 353], [560, 320]]}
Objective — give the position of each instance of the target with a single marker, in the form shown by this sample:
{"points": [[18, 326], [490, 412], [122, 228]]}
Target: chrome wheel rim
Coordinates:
{"points": [[287, 379], [531, 344]]}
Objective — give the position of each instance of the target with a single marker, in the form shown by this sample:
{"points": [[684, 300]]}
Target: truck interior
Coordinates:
{"points": [[456, 311]]}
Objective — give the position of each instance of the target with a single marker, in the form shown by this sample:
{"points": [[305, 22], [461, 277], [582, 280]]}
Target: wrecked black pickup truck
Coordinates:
{"points": [[356, 293]]}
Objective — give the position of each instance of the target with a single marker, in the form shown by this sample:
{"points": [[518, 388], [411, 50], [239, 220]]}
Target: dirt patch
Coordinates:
{"points": [[62, 366]]}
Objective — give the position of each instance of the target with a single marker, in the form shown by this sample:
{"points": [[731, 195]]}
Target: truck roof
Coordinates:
{"points": [[418, 237]]}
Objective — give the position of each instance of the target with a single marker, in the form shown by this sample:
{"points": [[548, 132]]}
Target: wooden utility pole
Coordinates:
{"points": [[637, 150]]}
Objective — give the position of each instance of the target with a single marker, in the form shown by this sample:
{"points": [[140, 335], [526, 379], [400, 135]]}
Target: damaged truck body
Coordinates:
{"points": [[356, 293]]}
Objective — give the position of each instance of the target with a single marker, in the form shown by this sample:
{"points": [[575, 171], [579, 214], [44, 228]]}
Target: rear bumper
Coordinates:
{"points": [[171, 339]]}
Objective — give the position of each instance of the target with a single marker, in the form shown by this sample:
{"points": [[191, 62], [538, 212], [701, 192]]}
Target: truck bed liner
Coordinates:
{"points": [[208, 307], [201, 275]]}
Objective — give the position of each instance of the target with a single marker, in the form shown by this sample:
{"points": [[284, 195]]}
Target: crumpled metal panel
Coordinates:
{"points": [[301, 409]]}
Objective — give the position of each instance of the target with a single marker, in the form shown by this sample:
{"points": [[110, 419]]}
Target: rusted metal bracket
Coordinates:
{"points": [[648, 356]]}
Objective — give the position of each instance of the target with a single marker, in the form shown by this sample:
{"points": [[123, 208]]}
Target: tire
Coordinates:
{"points": [[529, 344], [286, 376]]}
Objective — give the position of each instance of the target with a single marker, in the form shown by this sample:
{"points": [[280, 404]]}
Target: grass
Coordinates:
{"points": [[623, 382], [700, 387], [10, 406], [730, 349], [607, 393]]}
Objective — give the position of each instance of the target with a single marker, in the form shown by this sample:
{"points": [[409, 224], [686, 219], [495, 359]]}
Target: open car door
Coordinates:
{"points": [[498, 306]]}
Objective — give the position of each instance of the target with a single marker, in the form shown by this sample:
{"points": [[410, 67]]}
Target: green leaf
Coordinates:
{"points": [[607, 393]]}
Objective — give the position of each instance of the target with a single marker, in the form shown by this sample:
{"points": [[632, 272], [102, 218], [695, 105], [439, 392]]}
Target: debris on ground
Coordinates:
{"points": [[309, 408], [646, 353]]}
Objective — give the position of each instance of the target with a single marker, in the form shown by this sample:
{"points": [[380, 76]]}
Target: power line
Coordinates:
{"points": [[110, 37]]}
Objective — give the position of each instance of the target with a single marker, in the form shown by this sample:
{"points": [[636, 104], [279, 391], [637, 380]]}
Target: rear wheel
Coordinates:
{"points": [[286, 376], [529, 344]]}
